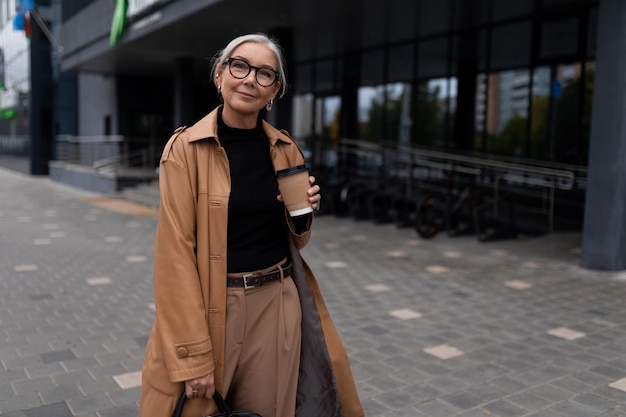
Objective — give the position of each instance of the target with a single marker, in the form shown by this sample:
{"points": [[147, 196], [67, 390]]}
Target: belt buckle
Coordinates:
{"points": [[245, 280]]}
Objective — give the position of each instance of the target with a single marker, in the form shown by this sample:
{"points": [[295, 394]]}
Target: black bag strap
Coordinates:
{"points": [[217, 397], [221, 404], [178, 410]]}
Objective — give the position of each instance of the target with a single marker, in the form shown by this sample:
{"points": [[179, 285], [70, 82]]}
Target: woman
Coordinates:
{"points": [[272, 348]]}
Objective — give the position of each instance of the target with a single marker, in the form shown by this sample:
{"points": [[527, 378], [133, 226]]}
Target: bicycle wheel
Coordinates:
{"points": [[429, 218]]}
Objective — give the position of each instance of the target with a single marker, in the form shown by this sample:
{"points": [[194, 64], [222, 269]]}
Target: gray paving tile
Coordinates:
{"points": [[595, 402], [373, 407], [438, 408], [396, 399], [572, 409], [121, 411], [572, 385], [15, 414], [422, 392], [20, 402], [504, 408], [529, 401], [60, 393], [52, 410], [448, 384], [89, 404], [618, 412], [25, 386], [487, 392], [544, 413], [463, 399]]}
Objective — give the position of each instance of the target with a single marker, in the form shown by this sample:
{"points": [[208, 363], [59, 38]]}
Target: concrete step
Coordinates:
{"points": [[146, 194]]}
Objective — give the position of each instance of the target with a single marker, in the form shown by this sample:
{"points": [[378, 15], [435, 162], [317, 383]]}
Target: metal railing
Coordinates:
{"points": [[15, 145], [108, 153], [85, 150], [416, 169]]}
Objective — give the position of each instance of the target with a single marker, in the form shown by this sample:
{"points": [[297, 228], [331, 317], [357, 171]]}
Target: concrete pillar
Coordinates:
{"points": [[41, 92], [604, 232]]}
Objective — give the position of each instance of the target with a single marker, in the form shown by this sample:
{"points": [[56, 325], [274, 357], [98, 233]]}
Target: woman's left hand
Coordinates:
{"points": [[314, 194]]}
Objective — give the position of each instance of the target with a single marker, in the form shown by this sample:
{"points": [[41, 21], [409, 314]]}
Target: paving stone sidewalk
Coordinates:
{"points": [[447, 327]]}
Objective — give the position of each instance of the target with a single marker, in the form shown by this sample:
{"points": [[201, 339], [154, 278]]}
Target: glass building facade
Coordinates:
{"points": [[501, 78]]}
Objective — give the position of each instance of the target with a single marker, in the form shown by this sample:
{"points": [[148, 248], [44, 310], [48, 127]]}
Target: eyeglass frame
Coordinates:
{"points": [[230, 59]]}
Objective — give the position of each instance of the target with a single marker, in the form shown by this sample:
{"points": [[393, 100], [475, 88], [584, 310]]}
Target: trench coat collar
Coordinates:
{"points": [[206, 128]]}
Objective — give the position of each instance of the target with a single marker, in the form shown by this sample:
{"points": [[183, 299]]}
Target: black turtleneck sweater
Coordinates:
{"points": [[256, 219]]}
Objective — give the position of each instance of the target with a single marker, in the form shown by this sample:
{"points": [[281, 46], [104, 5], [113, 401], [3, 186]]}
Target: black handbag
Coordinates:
{"points": [[224, 409]]}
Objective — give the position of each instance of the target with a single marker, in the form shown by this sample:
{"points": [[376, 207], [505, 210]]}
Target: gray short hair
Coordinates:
{"points": [[261, 38]]}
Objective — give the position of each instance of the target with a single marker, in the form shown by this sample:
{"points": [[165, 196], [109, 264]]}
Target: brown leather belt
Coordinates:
{"points": [[257, 279]]}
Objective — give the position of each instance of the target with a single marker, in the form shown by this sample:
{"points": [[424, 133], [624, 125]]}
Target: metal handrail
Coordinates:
{"points": [[90, 139], [111, 163], [567, 176]]}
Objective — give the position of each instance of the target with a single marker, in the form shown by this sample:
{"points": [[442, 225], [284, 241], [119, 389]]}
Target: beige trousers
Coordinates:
{"points": [[262, 354]]}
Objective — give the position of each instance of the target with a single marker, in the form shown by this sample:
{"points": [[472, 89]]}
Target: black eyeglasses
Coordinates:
{"points": [[240, 69]]}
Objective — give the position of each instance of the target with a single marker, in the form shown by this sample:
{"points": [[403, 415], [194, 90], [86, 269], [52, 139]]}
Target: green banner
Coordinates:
{"points": [[8, 113], [119, 21]]}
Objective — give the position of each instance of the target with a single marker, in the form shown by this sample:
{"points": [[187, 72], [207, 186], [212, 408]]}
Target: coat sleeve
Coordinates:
{"points": [[180, 311], [300, 237]]}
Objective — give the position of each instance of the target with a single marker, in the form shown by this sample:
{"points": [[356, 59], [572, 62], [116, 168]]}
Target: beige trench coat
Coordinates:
{"points": [[187, 338]]}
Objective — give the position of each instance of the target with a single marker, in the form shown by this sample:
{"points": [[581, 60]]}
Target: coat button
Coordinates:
{"points": [[182, 352]]}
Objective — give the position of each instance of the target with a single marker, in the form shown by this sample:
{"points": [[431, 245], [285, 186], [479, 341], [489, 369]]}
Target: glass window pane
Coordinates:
{"points": [[433, 58], [324, 75], [559, 38], [405, 122], [332, 114], [587, 101], [429, 112], [401, 62], [469, 14], [302, 122], [508, 99], [326, 131], [373, 27], [326, 41], [434, 17], [592, 32], [481, 112], [510, 45], [540, 111], [372, 66], [371, 113], [303, 44], [567, 99], [507, 9], [451, 141], [303, 79], [302, 115], [561, 5], [403, 16], [398, 113]]}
